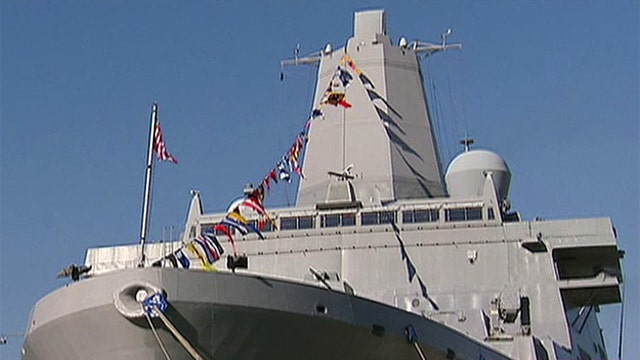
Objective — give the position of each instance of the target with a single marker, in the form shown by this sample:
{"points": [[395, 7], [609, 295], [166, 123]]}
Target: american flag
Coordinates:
{"points": [[160, 147]]}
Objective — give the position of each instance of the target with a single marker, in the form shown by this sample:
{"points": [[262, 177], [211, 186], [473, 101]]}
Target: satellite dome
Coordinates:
{"points": [[467, 173]]}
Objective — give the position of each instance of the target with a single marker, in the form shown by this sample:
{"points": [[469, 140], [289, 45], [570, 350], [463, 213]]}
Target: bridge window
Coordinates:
{"points": [[420, 216], [209, 227], [266, 227], [348, 219], [463, 214], [377, 217], [335, 220], [297, 222]]}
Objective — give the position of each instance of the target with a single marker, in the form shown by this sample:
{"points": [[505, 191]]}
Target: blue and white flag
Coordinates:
{"points": [[425, 294], [283, 172], [204, 248], [344, 76], [182, 258], [316, 113], [153, 302], [235, 224], [213, 243]]}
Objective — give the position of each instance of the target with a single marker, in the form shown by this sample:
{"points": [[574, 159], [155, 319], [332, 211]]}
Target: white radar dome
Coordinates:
{"points": [[467, 173]]}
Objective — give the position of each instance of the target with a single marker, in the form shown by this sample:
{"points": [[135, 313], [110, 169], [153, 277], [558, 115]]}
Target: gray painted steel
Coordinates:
{"points": [[386, 135], [493, 286], [230, 316]]}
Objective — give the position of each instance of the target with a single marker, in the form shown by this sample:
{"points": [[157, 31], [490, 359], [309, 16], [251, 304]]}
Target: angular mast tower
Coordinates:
{"points": [[386, 140]]}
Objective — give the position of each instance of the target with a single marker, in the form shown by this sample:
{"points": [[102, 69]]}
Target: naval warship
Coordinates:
{"points": [[383, 256]]}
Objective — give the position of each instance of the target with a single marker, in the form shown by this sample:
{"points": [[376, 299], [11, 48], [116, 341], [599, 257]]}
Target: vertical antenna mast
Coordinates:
{"points": [[146, 202]]}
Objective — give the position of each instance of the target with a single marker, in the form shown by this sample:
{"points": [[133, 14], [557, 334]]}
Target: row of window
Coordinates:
{"points": [[414, 216], [420, 216], [463, 214]]}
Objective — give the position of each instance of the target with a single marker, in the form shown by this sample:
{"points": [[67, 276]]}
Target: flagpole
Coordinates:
{"points": [[146, 203]]}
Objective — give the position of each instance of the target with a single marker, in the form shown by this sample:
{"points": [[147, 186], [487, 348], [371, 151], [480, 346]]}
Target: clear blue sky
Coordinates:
{"points": [[552, 86]]}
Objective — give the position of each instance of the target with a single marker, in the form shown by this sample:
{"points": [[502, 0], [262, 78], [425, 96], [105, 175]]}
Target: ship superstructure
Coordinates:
{"points": [[384, 255]]}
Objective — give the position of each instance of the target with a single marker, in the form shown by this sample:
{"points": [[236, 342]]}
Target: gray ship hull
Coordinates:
{"points": [[437, 274], [227, 316]]}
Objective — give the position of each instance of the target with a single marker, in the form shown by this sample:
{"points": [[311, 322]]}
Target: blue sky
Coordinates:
{"points": [[552, 86]]}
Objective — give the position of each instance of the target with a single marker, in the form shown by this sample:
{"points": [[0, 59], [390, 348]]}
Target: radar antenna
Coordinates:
{"points": [[312, 58], [467, 142], [445, 35], [429, 48]]}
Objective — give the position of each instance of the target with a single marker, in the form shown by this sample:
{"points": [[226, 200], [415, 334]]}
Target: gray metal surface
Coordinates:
{"points": [[386, 135], [485, 284], [230, 316]]}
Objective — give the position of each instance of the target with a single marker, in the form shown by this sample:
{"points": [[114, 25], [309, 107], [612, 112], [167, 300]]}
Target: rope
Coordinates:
{"points": [[155, 333], [621, 331], [419, 351], [181, 339], [433, 104], [412, 338]]}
